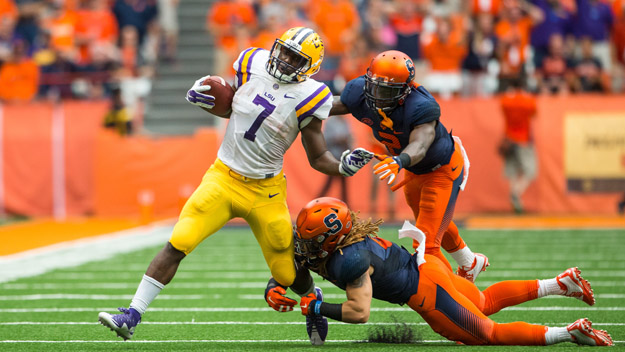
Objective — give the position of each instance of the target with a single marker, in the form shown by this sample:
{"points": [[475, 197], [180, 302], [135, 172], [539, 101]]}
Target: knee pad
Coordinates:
{"points": [[280, 235]]}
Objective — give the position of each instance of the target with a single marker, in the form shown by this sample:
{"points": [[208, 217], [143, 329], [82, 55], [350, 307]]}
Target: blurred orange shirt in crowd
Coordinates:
{"points": [[225, 16], [335, 18], [517, 36], [8, 10], [485, 6], [62, 30], [96, 27], [618, 30], [19, 80], [265, 39], [446, 56], [519, 108]]}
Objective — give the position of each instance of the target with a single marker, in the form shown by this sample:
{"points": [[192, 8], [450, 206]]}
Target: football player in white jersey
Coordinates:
{"points": [[275, 100]]}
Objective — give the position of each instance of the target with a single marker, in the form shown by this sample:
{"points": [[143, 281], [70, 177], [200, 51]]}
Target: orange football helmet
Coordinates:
{"points": [[388, 80], [320, 226]]}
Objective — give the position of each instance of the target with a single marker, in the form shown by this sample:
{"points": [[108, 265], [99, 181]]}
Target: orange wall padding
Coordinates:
{"points": [[27, 156], [166, 168], [105, 173]]}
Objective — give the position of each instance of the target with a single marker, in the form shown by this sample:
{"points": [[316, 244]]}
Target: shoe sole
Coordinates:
{"points": [[107, 320]]}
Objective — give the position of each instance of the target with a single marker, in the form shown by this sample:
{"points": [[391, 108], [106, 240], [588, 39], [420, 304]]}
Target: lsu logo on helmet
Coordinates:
{"points": [[296, 55]]}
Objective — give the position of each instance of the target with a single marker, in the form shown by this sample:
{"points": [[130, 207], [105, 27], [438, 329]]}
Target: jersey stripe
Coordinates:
{"points": [[245, 62], [309, 105]]}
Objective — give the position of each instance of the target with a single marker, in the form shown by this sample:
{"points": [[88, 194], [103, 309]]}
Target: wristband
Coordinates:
{"points": [[317, 307], [404, 160], [331, 310]]}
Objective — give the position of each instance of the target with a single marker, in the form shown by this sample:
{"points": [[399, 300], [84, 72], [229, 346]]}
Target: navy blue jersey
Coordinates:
{"points": [[395, 277], [419, 107]]}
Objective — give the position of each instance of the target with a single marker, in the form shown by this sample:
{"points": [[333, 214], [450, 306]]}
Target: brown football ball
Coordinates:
{"points": [[223, 93]]}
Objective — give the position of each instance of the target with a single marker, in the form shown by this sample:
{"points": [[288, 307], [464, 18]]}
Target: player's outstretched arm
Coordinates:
{"points": [[338, 108], [323, 161], [421, 138], [354, 311]]}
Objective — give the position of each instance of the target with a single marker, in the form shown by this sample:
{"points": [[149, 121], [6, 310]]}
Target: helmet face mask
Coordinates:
{"points": [[309, 251], [296, 55], [320, 227], [388, 80], [383, 95]]}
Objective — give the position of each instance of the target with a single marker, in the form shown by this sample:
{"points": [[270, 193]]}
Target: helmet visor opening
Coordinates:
{"points": [[383, 95], [310, 249], [288, 64]]}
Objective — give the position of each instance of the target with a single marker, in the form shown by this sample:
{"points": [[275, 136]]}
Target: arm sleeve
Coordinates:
{"points": [[317, 104], [351, 92]]}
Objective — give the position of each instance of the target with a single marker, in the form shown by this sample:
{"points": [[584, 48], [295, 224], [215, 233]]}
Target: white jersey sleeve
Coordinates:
{"points": [[249, 62]]}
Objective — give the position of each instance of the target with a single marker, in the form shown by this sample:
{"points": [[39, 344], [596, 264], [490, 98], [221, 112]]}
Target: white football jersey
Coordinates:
{"points": [[267, 116]]}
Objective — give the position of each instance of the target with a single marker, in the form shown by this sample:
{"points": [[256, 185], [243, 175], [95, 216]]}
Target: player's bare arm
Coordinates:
{"points": [[421, 138], [338, 108], [316, 150], [322, 160], [359, 293]]}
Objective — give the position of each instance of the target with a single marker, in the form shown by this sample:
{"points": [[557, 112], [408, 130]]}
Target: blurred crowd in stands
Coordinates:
{"points": [[82, 49], [466, 48], [85, 49]]}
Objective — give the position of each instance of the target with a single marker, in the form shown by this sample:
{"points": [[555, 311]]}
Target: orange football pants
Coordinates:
{"points": [[456, 309], [432, 198]]}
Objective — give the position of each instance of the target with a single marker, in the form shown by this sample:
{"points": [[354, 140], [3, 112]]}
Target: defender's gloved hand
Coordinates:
{"points": [[388, 167], [353, 161], [277, 299], [196, 95], [307, 304]]}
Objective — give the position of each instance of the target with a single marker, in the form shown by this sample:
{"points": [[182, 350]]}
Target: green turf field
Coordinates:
{"points": [[216, 303]]}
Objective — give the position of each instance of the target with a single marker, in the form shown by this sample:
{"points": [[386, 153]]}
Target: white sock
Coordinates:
{"points": [[148, 289], [548, 287], [464, 257], [557, 335]]}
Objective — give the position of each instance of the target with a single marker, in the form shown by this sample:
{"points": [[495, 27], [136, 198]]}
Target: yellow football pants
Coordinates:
{"points": [[223, 195]]}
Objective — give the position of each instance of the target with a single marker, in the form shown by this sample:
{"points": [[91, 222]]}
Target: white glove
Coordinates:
{"points": [[353, 161], [196, 95]]}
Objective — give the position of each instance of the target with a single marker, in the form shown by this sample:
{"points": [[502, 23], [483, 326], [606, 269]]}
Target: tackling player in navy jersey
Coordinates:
{"points": [[406, 119], [331, 241]]}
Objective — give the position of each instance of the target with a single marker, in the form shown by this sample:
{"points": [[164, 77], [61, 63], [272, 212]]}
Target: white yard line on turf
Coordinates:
{"points": [[252, 297], [258, 310], [252, 323], [71, 253], [204, 341]]}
